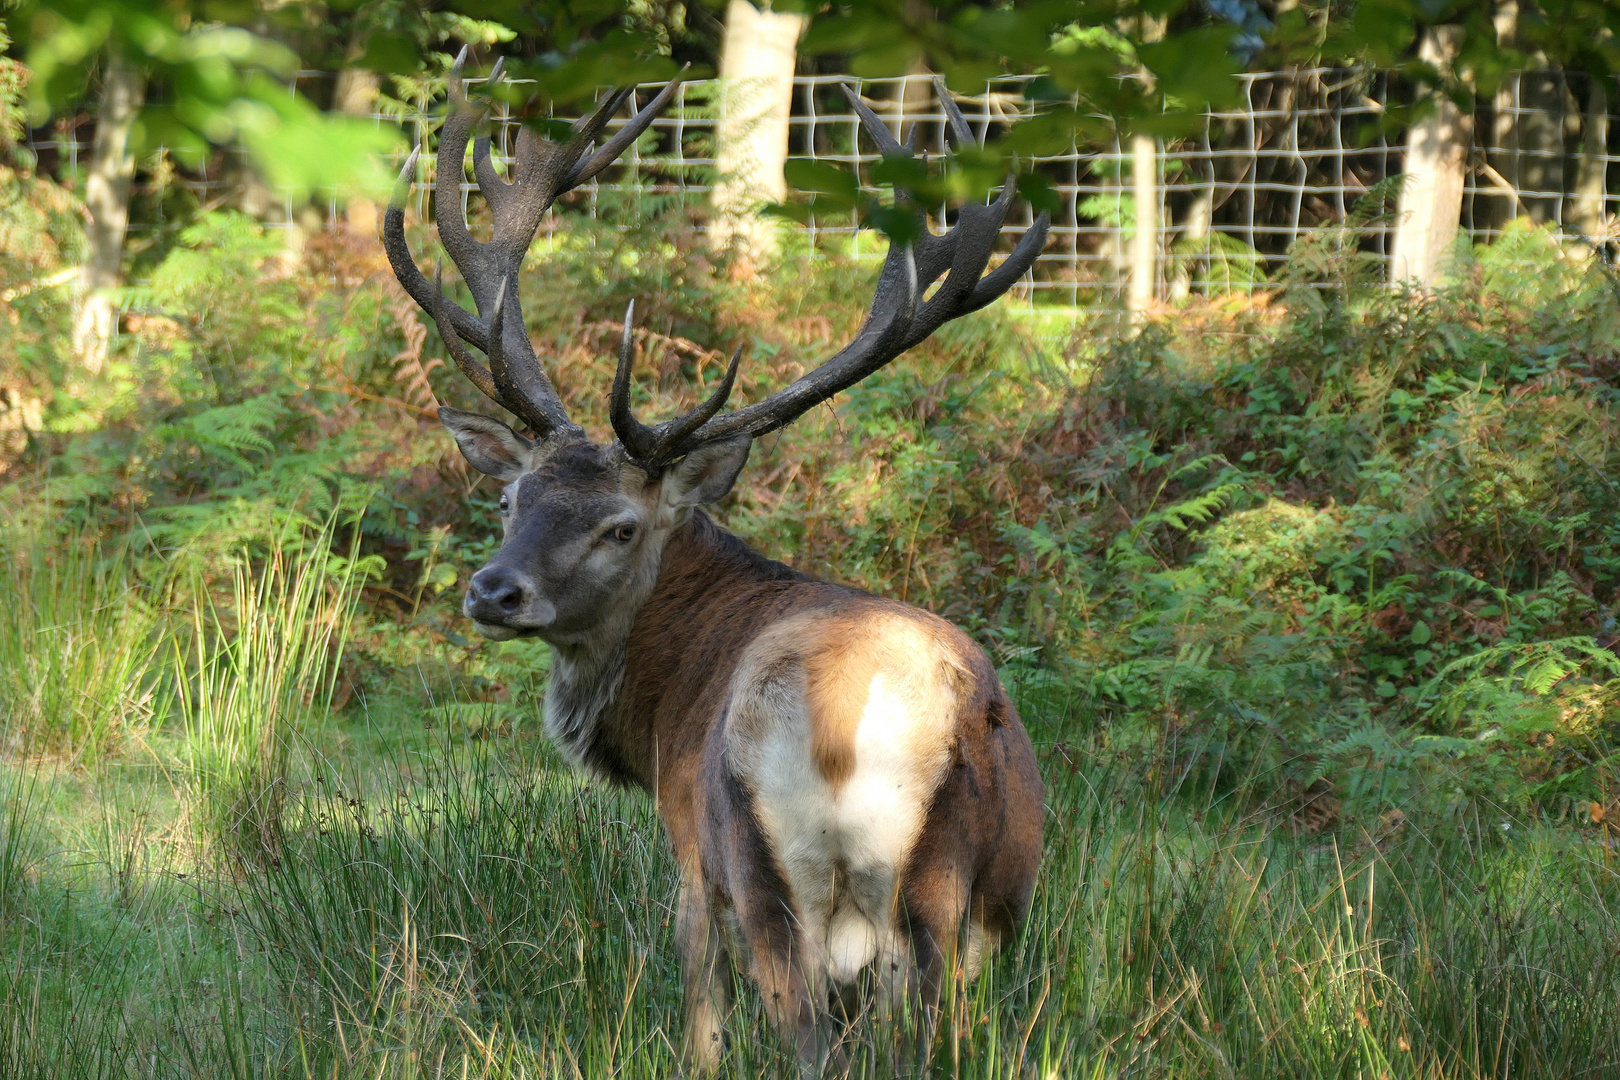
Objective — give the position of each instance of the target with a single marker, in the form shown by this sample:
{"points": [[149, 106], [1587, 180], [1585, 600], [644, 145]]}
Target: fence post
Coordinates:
{"points": [[1430, 207], [756, 97], [1145, 241]]}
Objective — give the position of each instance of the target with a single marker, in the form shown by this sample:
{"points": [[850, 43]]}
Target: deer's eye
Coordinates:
{"points": [[624, 533], [506, 505]]}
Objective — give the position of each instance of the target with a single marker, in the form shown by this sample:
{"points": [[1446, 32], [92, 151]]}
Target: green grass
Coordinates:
{"points": [[251, 670], [77, 649], [446, 905]]}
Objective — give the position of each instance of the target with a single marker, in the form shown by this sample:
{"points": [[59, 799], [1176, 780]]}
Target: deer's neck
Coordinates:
{"points": [[632, 704]]}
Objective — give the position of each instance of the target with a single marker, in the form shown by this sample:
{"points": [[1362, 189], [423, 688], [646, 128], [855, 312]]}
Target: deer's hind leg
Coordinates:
{"points": [[705, 974], [749, 882]]}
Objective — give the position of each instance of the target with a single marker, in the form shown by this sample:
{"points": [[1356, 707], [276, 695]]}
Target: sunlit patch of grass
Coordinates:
{"points": [[468, 906], [77, 646], [253, 669]]}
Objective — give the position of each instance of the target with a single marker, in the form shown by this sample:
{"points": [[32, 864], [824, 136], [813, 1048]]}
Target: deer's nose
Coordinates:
{"points": [[498, 592]]}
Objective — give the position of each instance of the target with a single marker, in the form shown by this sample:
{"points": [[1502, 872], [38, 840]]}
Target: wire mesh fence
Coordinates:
{"points": [[1299, 154]]}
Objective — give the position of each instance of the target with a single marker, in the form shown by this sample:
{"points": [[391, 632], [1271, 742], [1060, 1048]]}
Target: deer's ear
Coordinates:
{"points": [[489, 445], [705, 475]]}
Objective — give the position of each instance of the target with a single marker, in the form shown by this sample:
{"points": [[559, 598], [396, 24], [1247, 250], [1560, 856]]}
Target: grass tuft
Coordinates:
{"points": [[77, 647]]}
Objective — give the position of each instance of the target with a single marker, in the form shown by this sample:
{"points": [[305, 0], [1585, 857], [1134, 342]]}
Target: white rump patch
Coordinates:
{"points": [[843, 851]]}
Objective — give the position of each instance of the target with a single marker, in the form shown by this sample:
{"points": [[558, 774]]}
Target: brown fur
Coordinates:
{"points": [[981, 840], [840, 659], [838, 672], [715, 602]]}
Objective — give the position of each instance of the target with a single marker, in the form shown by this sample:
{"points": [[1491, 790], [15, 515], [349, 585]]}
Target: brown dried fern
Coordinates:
{"points": [[409, 369]]}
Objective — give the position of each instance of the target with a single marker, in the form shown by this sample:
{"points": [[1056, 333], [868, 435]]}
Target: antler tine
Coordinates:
{"points": [[627, 135], [899, 317], [496, 192], [497, 344], [656, 446], [454, 85], [420, 289], [956, 125], [520, 381], [476, 372], [402, 183], [1013, 267], [589, 126], [672, 436], [873, 125], [638, 439], [452, 220]]}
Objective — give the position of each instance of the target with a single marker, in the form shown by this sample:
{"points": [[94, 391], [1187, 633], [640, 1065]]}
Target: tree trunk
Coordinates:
{"points": [[1544, 112], [1502, 154], [1145, 196], [356, 95], [106, 196], [1430, 208], [1591, 178], [756, 70], [914, 94], [1145, 241]]}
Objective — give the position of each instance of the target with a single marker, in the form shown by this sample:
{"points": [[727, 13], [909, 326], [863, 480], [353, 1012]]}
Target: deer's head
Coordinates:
{"points": [[585, 524]]}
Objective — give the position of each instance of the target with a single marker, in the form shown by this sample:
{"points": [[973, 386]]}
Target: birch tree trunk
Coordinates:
{"points": [[757, 61], [1502, 154], [1145, 196], [1430, 208], [106, 196], [355, 95], [1145, 241], [1591, 176], [914, 94]]}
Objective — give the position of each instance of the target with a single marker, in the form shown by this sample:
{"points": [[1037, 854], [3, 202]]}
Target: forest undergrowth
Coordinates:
{"points": [[1308, 596]]}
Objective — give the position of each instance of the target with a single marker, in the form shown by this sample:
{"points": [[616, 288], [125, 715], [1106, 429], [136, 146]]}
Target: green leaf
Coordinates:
{"points": [[391, 53], [823, 179], [1196, 68], [444, 576]]}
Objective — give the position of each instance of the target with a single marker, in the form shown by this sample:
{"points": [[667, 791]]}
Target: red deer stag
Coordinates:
{"points": [[844, 781]]}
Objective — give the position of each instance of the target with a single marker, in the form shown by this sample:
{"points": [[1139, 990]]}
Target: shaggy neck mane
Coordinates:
{"points": [[601, 718]]}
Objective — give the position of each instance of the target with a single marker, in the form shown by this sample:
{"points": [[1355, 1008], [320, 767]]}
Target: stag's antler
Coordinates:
{"points": [[544, 170], [899, 317]]}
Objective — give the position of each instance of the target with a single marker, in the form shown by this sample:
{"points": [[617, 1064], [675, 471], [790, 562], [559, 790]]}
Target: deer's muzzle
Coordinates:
{"points": [[503, 603]]}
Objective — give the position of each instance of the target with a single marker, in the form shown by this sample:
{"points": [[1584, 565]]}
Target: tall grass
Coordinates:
{"points": [[498, 914], [256, 662], [78, 643], [19, 843], [1178, 939], [483, 912]]}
